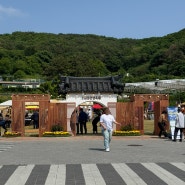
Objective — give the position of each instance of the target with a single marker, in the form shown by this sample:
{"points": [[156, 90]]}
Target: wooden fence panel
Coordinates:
{"points": [[43, 117], [57, 115], [18, 112], [159, 106], [125, 113]]}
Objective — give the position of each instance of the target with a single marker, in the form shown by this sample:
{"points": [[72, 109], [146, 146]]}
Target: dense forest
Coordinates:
{"points": [[45, 56]]}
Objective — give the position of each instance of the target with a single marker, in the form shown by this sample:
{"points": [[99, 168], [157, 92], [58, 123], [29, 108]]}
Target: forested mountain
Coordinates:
{"points": [[44, 55]]}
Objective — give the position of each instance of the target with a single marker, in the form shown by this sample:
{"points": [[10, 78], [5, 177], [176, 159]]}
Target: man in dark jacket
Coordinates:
{"points": [[82, 119], [95, 122], [35, 118]]}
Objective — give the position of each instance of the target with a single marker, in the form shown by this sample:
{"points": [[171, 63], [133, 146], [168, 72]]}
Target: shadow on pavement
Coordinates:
{"points": [[98, 149]]}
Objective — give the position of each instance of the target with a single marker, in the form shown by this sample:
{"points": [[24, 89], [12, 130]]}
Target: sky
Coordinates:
{"points": [[136, 19]]}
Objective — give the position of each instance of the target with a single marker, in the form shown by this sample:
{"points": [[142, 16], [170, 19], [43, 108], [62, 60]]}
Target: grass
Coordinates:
{"points": [[29, 131], [90, 128], [148, 127]]}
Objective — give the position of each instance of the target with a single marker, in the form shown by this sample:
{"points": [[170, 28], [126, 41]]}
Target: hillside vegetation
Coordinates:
{"points": [[44, 55]]}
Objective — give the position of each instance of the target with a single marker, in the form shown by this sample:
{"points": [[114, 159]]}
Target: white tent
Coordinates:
{"points": [[5, 104]]}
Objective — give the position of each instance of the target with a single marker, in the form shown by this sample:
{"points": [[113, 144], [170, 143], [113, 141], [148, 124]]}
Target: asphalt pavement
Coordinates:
{"points": [[82, 160]]}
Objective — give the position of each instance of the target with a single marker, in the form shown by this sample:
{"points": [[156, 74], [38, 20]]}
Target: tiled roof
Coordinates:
{"points": [[108, 84]]}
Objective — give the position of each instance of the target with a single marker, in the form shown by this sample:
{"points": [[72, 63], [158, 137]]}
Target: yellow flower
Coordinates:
{"points": [[56, 133], [127, 133], [13, 134]]}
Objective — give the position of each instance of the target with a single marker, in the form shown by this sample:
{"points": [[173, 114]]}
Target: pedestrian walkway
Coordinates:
{"points": [[82, 160], [5, 146], [94, 174]]}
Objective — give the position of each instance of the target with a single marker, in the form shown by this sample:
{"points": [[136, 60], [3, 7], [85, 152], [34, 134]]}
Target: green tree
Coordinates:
{"points": [[50, 88], [19, 74], [6, 66]]}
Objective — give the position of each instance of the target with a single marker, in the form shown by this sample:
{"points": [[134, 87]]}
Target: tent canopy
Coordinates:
{"points": [[29, 107], [97, 106], [6, 103]]}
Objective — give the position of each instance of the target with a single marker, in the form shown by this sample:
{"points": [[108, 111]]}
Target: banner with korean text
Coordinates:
{"points": [[172, 113]]}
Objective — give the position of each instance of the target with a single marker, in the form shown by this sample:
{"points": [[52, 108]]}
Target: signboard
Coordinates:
{"points": [[80, 98], [172, 113]]}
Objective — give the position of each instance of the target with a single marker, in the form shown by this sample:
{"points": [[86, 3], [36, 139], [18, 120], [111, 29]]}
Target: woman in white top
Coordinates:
{"points": [[106, 122]]}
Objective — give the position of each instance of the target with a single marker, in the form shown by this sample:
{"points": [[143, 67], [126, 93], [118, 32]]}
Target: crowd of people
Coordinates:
{"points": [[103, 117], [80, 117], [106, 120], [179, 124], [5, 120]]}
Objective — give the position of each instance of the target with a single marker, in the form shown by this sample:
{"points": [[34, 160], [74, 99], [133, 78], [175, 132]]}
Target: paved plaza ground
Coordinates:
{"points": [[82, 160]]}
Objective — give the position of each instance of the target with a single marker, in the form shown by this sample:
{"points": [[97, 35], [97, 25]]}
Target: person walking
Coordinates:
{"points": [[82, 119], [95, 122], [162, 123], [179, 124], [106, 122]]}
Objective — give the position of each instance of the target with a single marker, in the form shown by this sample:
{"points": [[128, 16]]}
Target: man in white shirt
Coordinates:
{"points": [[179, 124], [106, 122]]}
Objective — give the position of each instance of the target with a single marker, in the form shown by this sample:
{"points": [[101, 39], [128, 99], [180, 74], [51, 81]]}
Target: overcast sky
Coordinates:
{"points": [[111, 18]]}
